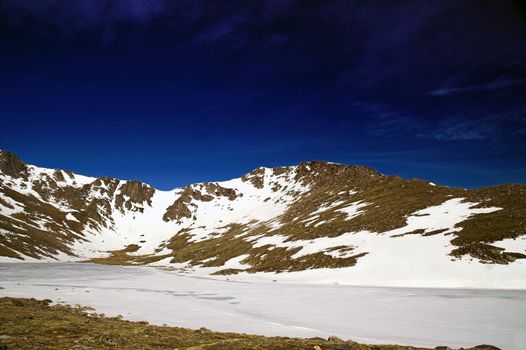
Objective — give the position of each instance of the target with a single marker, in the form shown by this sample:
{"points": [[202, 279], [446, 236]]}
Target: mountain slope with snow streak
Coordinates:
{"points": [[314, 221]]}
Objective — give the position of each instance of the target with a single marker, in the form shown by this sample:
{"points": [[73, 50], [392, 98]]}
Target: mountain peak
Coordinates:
{"points": [[11, 165]]}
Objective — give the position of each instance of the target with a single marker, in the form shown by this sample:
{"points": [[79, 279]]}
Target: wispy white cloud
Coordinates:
{"points": [[381, 120], [496, 84], [472, 126], [469, 128]]}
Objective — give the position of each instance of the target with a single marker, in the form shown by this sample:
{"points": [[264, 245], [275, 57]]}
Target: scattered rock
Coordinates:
{"points": [[317, 339], [15, 302], [109, 339], [316, 347], [204, 330], [81, 347], [72, 328], [149, 331], [335, 339]]}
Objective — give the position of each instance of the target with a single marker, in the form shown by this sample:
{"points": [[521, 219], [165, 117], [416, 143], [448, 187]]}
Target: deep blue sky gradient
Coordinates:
{"points": [[175, 92]]}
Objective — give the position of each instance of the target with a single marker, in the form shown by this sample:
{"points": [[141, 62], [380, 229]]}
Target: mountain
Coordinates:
{"points": [[316, 217]]}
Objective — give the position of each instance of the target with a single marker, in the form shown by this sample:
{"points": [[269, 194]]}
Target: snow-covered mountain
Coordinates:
{"points": [[315, 221]]}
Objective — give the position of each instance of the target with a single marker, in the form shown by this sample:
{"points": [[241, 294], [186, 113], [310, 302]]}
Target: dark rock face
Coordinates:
{"points": [[255, 177], [136, 193], [487, 253], [58, 176], [12, 166], [178, 210], [218, 191], [321, 174], [205, 192]]}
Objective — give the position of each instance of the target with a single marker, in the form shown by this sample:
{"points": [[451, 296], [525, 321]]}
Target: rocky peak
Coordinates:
{"points": [[318, 173], [322, 173], [12, 166], [255, 177], [104, 182], [134, 192]]}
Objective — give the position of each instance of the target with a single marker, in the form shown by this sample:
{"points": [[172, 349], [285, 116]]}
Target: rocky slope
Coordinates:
{"points": [[310, 216]]}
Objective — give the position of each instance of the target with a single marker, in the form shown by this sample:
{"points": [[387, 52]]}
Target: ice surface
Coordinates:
{"points": [[421, 317]]}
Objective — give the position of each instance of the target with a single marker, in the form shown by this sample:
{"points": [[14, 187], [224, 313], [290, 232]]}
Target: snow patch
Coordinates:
{"points": [[353, 210], [71, 217]]}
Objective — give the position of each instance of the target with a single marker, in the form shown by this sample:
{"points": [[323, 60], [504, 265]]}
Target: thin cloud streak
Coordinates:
{"points": [[497, 84], [493, 126]]}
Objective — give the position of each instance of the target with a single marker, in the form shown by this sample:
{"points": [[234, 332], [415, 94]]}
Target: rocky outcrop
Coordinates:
{"points": [[487, 253], [204, 192], [324, 174], [132, 195], [216, 190], [178, 210], [255, 177], [11, 165]]}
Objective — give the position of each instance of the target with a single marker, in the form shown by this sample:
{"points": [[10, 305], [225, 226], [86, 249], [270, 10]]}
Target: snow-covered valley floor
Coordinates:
{"points": [[413, 316]]}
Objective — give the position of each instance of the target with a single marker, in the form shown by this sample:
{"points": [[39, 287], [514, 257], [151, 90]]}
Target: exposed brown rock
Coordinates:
{"points": [[280, 170], [255, 177], [180, 208], [137, 193], [57, 175], [219, 191], [12, 166], [177, 210], [487, 253], [321, 174]]}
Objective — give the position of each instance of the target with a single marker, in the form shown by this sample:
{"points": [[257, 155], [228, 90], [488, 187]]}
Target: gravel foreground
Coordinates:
{"points": [[36, 324]]}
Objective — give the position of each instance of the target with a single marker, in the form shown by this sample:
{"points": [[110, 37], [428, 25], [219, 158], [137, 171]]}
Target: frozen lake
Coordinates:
{"points": [[425, 317]]}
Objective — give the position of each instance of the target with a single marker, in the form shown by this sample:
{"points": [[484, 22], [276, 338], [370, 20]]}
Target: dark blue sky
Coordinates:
{"points": [[174, 92]]}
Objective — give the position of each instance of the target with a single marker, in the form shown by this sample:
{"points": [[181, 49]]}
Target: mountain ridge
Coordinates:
{"points": [[12, 157], [311, 216]]}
